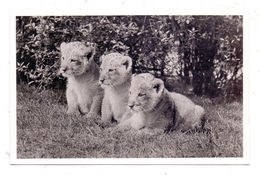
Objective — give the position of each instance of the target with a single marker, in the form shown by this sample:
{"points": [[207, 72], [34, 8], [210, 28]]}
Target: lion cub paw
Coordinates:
{"points": [[93, 115]]}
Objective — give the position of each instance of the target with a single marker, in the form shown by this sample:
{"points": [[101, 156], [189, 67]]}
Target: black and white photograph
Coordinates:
{"points": [[129, 86]]}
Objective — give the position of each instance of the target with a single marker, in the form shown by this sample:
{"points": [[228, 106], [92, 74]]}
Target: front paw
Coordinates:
{"points": [[119, 128], [83, 110], [70, 112], [93, 115], [106, 119]]}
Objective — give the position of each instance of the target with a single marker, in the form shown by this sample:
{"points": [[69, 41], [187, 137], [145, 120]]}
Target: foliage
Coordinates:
{"points": [[37, 52], [209, 48]]}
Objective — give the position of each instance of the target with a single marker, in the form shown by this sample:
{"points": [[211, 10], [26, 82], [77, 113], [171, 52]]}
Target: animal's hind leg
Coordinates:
{"points": [[198, 118]]}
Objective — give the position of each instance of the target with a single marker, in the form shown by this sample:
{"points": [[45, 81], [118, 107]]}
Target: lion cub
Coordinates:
{"points": [[83, 93], [153, 107], [115, 77]]}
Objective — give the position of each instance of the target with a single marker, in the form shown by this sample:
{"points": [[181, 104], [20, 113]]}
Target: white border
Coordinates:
{"points": [[13, 91], [128, 161], [133, 161]]}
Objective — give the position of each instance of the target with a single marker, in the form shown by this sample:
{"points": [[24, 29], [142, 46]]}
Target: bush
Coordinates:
{"points": [[145, 39], [209, 48]]}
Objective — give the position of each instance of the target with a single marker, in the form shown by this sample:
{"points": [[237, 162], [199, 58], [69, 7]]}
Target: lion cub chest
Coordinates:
{"points": [[118, 102], [81, 88]]}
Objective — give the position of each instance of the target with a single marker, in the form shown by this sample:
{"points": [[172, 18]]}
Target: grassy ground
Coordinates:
{"points": [[45, 131]]}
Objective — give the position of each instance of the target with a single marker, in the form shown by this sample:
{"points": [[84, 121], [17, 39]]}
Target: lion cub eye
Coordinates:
{"points": [[129, 92], [141, 95], [73, 61], [111, 70]]}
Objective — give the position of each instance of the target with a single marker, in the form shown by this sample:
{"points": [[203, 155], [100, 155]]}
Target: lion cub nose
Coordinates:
{"points": [[64, 69], [131, 106], [102, 80]]}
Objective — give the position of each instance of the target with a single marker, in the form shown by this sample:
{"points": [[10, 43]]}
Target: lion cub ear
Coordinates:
{"points": [[134, 75], [90, 52], [63, 46], [101, 59], [127, 62], [158, 85]]}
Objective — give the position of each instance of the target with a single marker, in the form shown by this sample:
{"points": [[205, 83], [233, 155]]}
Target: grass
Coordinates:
{"points": [[45, 131]]}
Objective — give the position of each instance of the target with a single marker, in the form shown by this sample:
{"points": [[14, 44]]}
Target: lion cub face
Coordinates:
{"points": [[145, 92], [76, 58], [115, 69]]}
